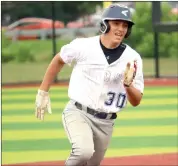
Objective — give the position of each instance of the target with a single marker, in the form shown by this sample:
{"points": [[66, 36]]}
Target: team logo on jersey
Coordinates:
{"points": [[113, 76], [117, 78], [107, 76]]}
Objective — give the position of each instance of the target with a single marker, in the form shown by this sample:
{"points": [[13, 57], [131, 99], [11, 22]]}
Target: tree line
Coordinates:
{"points": [[64, 10], [141, 38]]}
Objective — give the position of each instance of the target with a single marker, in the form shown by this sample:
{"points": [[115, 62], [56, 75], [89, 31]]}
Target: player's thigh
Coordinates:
{"points": [[101, 142], [100, 147], [77, 129]]}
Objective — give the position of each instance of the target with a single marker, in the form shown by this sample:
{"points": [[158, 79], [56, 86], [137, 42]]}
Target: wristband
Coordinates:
{"points": [[42, 92]]}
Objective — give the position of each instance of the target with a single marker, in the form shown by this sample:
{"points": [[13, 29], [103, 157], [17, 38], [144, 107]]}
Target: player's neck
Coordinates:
{"points": [[108, 43]]}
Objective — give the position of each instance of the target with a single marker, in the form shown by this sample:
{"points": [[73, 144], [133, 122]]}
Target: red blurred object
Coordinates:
{"points": [[175, 11], [75, 24], [32, 24], [80, 23]]}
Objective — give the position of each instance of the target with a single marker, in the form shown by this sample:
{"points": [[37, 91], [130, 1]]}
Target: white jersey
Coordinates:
{"points": [[94, 82]]}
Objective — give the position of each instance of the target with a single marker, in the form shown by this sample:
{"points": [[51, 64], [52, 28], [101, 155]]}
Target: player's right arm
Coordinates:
{"points": [[67, 54], [54, 67], [42, 98]]}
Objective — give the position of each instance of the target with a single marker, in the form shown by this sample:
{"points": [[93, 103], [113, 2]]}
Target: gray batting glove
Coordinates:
{"points": [[42, 104]]}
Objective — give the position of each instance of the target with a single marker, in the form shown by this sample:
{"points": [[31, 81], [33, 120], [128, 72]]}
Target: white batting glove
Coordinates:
{"points": [[129, 74], [42, 104]]}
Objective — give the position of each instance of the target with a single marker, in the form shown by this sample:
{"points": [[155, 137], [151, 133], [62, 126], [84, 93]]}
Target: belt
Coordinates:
{"points": [[100, 115]]}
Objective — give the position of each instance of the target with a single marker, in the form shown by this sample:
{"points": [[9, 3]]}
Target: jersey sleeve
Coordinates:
{"points": [[138, 82], [70, 52]]}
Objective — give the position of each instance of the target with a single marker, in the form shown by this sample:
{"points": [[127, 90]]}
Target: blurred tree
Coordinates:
{"points": [[142, 32], [65, 10]]}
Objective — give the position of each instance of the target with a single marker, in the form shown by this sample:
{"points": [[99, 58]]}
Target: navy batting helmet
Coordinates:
{"points": [[116, 12]]}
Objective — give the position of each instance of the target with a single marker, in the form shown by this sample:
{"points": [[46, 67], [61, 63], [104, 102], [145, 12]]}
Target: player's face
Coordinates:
{"points": [[118, 30]]}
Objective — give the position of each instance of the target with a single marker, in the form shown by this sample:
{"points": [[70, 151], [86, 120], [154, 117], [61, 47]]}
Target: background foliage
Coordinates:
{"points": [[141, 37], [65, 10], [142, 32]]}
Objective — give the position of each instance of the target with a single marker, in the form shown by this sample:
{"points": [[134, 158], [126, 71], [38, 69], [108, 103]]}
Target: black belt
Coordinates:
{"points": [[101, 115]]}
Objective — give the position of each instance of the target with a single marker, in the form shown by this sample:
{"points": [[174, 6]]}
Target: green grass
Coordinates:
{"points": [[41, 49], [57, 125], [31, 72], [63, 144], [146, 129], [28, 72], [14, 72]]}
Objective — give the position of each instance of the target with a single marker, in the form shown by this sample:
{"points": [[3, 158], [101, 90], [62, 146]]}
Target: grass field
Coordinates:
{"points": [[14, 72], [30, 72], [147, 129]]}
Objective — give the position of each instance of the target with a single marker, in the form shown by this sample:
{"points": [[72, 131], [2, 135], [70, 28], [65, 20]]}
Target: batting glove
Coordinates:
{"points": [[43, 104], [129, 74]]}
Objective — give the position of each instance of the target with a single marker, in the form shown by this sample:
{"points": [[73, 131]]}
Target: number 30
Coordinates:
{"points": [[113, 96]]}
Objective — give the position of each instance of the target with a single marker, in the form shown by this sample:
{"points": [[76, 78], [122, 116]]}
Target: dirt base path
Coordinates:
{"points": [[144, 160]]}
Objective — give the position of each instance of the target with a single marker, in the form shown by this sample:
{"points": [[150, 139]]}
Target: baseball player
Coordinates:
{"points": [[106, 74]]}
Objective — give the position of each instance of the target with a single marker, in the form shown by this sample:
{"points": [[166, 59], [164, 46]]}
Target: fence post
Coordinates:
{"points": [[156, 17], [156, 53], [53, 31]]}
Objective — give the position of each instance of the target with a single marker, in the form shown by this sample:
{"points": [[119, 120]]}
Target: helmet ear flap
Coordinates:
{"points": [[108, 26], [104, 26]]}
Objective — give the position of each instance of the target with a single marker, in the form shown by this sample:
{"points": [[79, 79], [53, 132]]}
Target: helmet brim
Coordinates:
{"points": [[121, 19]]}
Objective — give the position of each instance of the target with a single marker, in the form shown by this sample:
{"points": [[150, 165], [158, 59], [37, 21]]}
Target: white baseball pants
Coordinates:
{"points": [[88, 135]]}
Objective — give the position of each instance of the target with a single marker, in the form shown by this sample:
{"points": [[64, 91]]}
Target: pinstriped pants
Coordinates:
{"points": [[88, 135]]}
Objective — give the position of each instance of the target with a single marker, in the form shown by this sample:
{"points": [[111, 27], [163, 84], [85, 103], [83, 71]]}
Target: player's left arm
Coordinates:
{"points": [[133, 95], [134, 83]]}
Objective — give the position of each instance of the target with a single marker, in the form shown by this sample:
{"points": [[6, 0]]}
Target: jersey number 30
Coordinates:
{"points": [[119, 97]]}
